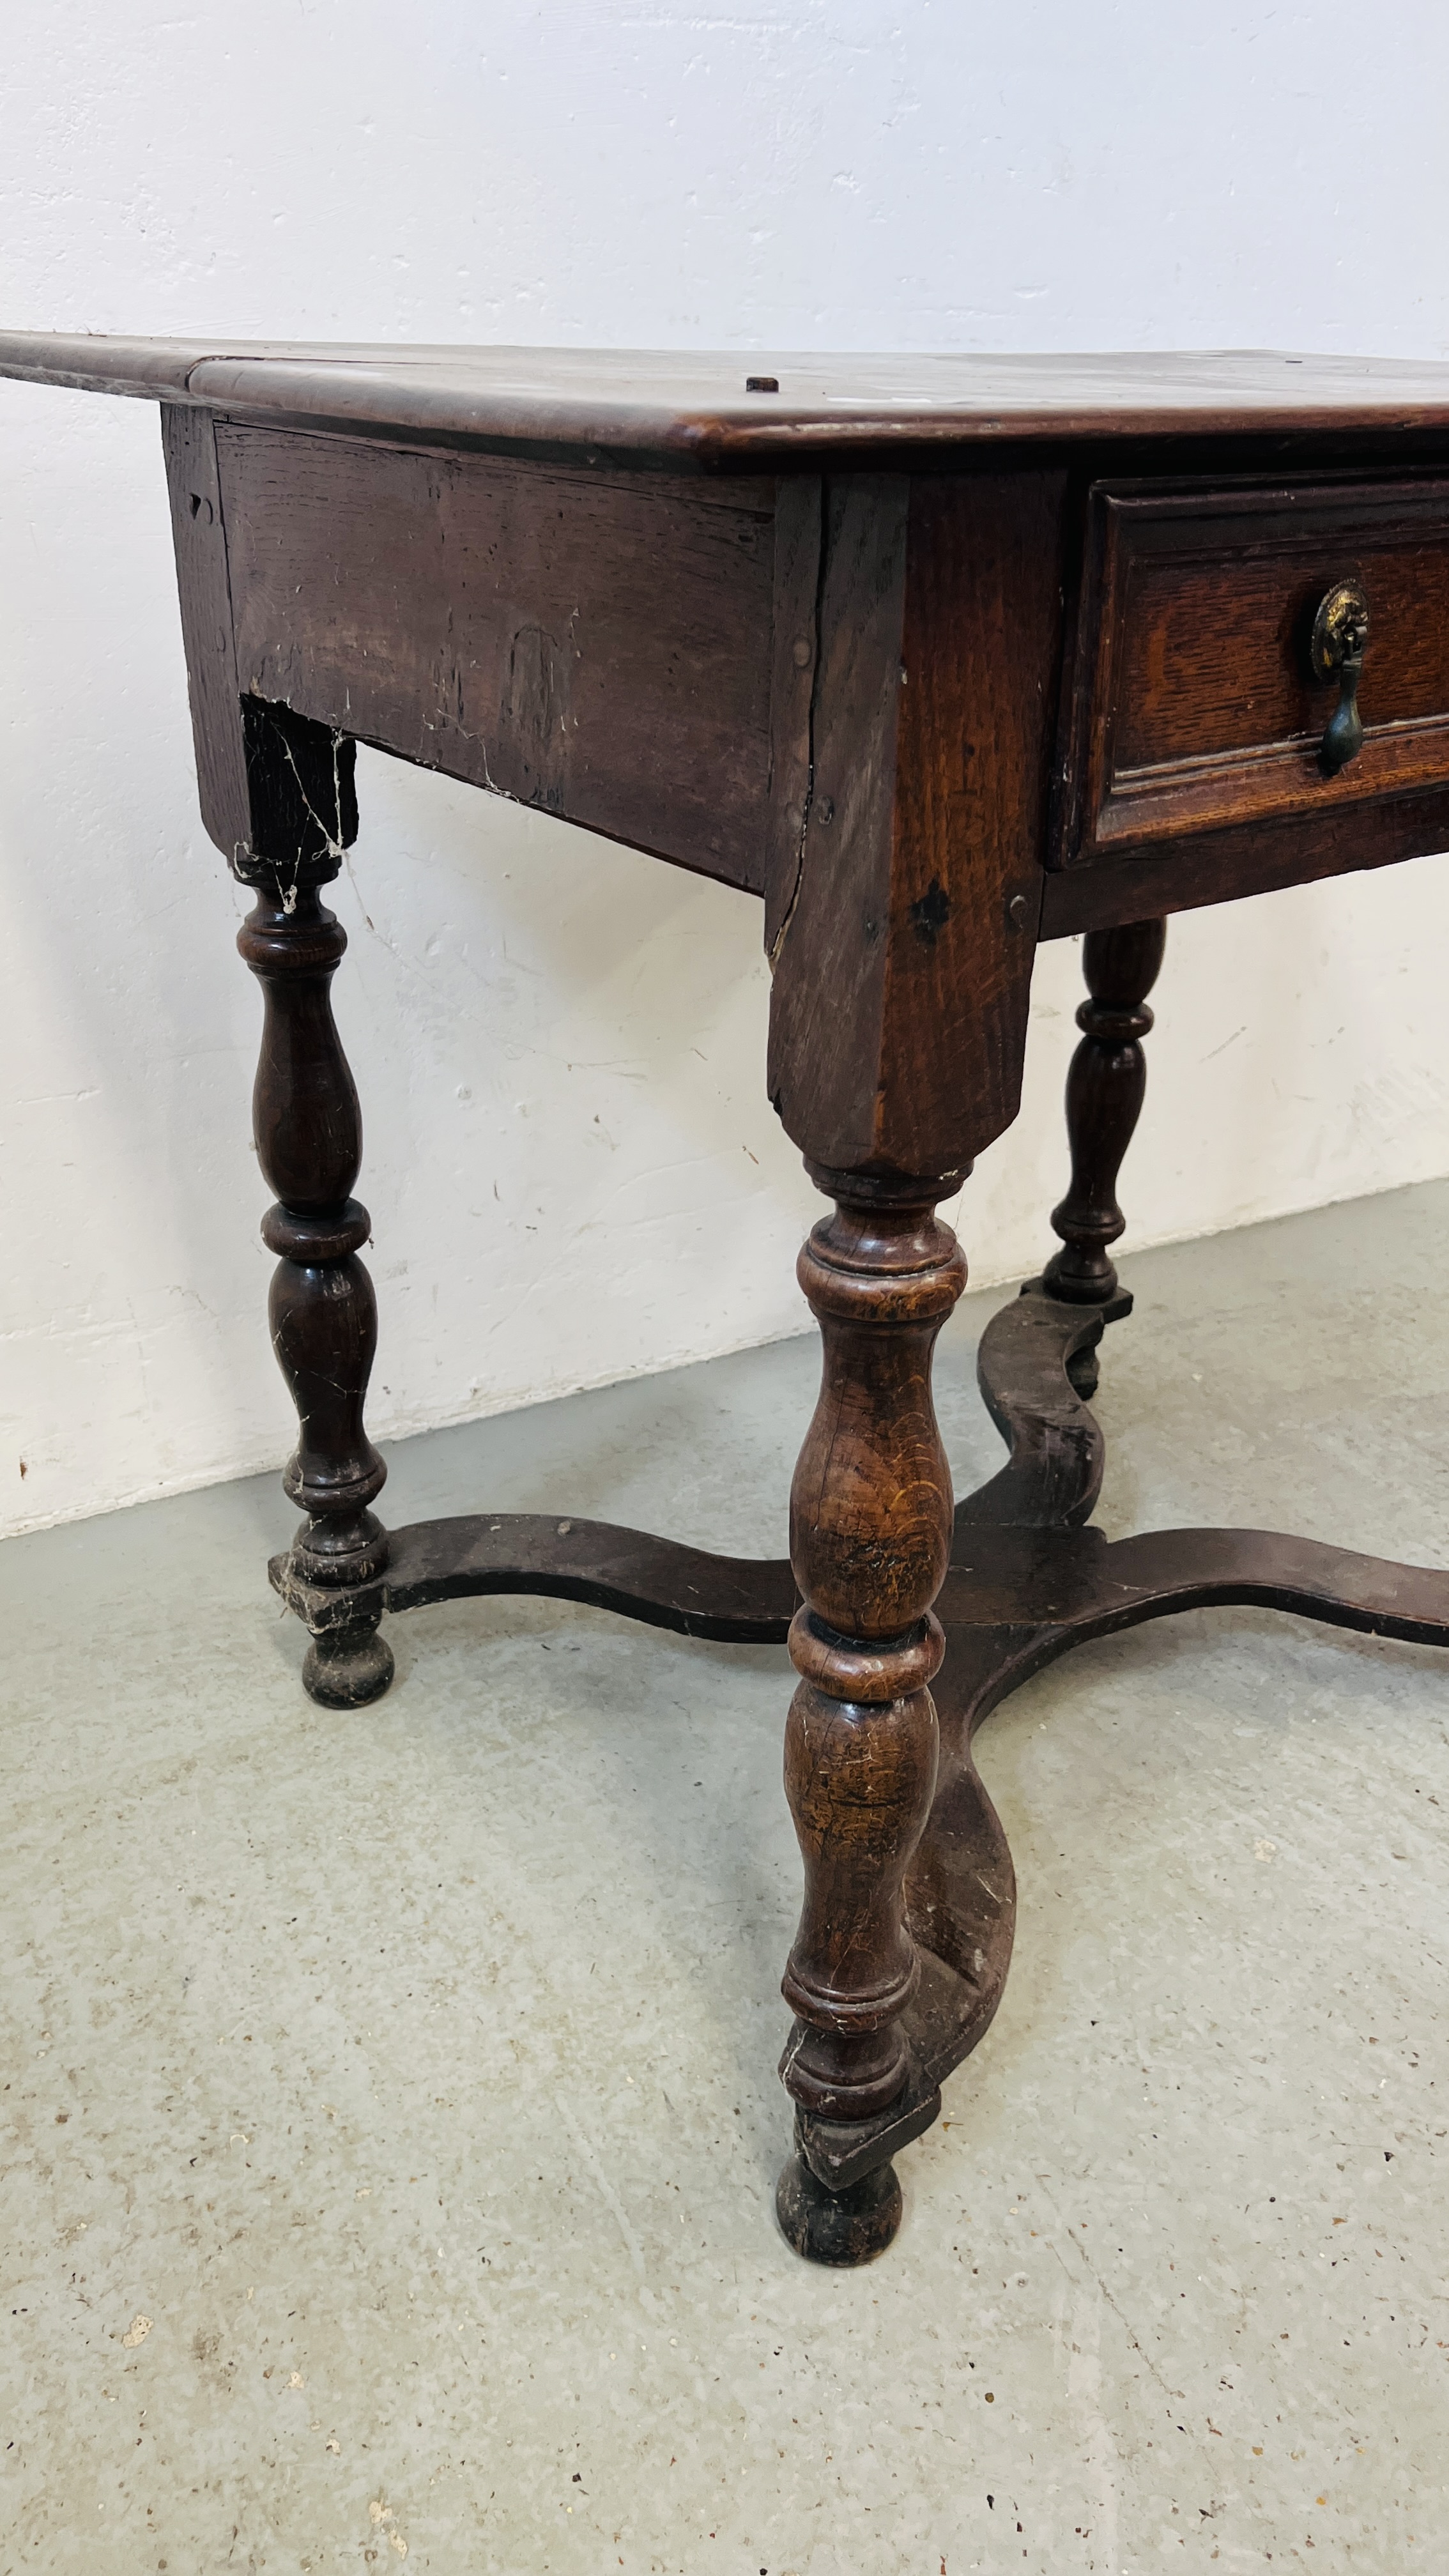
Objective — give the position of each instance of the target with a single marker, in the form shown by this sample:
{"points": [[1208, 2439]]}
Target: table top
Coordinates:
{"points": [[696, 407]]}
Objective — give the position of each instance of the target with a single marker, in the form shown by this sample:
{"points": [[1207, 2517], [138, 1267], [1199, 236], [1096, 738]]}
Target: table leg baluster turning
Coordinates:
{"points": [[308, 1131], [870, 1540], [1105, 1088]]}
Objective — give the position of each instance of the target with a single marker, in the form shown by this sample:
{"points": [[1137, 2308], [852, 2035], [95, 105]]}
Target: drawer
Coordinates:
{"points": [[1191, 707]]}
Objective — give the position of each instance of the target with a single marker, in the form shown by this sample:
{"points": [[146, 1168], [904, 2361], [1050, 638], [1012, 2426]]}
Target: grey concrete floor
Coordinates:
{"points": [[391, 2111]]}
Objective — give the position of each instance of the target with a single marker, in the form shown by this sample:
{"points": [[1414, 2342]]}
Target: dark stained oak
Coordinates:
{"points": [[198, 536], [1053, 1475], [590, 644], [1194, 704], [935, 658], [870, 1540], [1107, 712], [694, 406], [1105, 1088], [1026, 1583], [308, 1132], [902, 955], [1019, 1594], [277, 792], [1223, 867], [741, 1601]]}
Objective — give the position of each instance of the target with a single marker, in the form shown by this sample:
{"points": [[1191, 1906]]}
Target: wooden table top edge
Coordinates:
{"points": [[694, 406]]}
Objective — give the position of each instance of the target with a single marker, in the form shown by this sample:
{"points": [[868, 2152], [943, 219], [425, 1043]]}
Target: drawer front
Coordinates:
{"points": [[1191, 703]]}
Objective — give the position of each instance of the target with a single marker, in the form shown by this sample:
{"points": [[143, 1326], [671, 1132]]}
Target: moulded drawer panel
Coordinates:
{"points": [[1191, 707]]}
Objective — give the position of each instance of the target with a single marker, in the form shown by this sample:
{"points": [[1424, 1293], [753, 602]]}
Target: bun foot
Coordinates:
{"points": [[347, 1667], [841, 2227]]}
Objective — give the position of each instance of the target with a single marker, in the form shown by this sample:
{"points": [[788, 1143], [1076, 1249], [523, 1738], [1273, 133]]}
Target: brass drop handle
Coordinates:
{"points": [[1339, 642]]}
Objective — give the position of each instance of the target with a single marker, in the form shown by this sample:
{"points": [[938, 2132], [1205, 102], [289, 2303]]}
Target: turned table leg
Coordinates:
{"points": [[870, 1524], [323, 1314], [1105, 1087]]}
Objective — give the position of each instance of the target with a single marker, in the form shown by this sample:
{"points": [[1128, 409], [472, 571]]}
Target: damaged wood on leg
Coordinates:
{"points": [[308, 1131]]}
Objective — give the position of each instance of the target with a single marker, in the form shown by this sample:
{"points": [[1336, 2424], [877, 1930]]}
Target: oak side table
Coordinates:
{"points": [[939, 658]]}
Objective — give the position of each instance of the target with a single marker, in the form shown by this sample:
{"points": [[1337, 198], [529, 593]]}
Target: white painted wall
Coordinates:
{"points": [[572, 1170]]}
